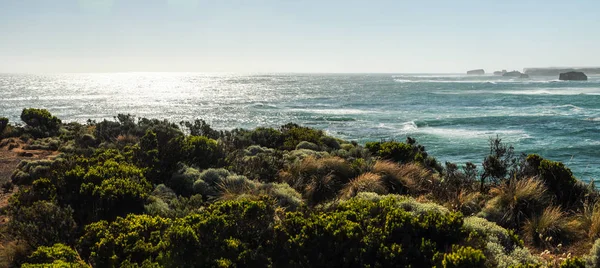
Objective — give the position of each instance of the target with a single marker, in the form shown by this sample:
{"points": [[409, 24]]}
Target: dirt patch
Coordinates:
{"points": [[11, 154]]}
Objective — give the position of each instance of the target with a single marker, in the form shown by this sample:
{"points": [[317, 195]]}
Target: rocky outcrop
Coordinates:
{"points": [[573, 76], [524, 76], [558, 71], [500, 72], [512, 74], [476, 72]]}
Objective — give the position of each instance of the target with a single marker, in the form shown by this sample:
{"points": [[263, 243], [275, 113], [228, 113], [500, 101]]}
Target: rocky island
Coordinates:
{"points": [[557, 71], [572, 76], [515, 74], [476, 72]]}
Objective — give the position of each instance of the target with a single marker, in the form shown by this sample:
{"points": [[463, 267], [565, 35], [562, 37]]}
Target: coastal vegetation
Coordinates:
{"points": [[137, 192]]}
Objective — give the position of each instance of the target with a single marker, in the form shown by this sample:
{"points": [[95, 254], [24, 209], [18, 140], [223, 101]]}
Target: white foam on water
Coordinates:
{"points": [[333, 111], [463, 133]]}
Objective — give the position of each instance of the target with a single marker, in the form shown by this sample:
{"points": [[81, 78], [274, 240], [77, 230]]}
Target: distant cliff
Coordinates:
{"points": [[557, 71]]}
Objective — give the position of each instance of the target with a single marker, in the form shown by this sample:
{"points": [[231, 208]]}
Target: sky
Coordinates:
{"points": [[331, 36]]}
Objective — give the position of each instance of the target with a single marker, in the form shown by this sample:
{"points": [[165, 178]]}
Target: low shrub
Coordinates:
{"points": [[464, 257], [307, 145], [593, 257]]}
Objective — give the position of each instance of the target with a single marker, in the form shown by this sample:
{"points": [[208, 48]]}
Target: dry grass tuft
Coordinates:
{"points": [[367, 182], [515, 201], [551, 227], [409, 178], [590, 220]]}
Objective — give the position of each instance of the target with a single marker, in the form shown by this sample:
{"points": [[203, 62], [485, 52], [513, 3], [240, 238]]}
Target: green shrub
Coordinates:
{"points": [[331, 142], [464, 257], [135, 239], [392, 150], [293, 134], [235, 232], [307, 145], [502, 247], [201, 151], [267, 137], [257, 163], [362, 232], [40, 122], [182, 182], [41, 223], [57, 252], [574, 262], [593, 257]]}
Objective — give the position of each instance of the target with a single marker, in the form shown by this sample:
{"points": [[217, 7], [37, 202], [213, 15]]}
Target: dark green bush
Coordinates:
{"points": [[398, 151], [42, 223], [573, 262], [365, 233], [201, 151], [58, 255], [3, 125], [134, 239], [293, 134], [40, 122]]}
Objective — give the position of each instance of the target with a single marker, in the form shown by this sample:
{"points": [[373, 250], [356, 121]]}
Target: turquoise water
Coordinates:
{"points": [[452, 115]]}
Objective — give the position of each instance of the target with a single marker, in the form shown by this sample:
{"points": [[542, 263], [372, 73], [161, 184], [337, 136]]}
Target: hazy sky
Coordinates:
{"points": [[296, 35]]}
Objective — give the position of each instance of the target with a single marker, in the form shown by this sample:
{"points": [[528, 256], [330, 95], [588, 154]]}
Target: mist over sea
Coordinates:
{"points": [[454, 116]]}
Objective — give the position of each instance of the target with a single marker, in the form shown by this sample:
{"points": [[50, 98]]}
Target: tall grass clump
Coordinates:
{"points": [[515, 201], [551, 227], [319, 179], [590, 220], [402, 179], [367, 182]]}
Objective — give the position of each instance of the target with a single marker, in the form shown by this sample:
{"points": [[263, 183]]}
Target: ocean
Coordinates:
{"points": [[453, 116]]}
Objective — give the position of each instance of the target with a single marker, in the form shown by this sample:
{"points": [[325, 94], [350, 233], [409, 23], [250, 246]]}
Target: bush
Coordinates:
{"points": [[331, 142], [293, 134], [42, 223], [593, 257], [58, 254], [3, 125], [284, 195], [237, 233], [573, 263], [464, 257], [502, 247], [134, 239], [307, 145], [201, 151], [363, 233], [392, 150], [40, 122]]}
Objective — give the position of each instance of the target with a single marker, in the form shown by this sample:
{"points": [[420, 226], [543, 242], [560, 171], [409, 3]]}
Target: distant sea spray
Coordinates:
{"points": [[452, 115]]}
